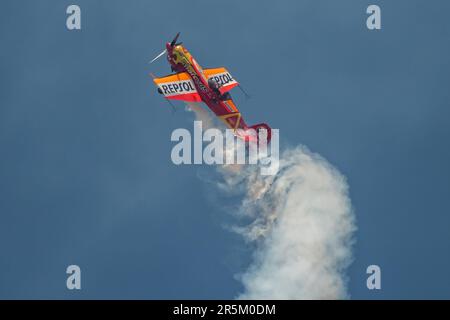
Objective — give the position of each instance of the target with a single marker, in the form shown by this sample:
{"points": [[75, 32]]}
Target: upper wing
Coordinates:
{"points": [[222, 77], [178, 86]]}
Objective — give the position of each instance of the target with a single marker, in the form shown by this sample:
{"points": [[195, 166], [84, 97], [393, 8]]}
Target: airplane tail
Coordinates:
{"points": [[264, 126]]}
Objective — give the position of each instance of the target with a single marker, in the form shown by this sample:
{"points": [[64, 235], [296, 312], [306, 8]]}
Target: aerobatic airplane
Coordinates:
{"points": [[191, 83]]}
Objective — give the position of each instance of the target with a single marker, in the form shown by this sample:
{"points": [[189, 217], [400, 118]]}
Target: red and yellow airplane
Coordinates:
{"points": [[193, 84]]}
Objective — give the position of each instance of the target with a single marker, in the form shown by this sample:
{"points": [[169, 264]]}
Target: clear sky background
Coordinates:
{"points": [[85, 170]]}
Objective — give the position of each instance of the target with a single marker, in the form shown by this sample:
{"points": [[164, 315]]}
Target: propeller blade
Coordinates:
{"points": [[159, 56], [174, 40]]}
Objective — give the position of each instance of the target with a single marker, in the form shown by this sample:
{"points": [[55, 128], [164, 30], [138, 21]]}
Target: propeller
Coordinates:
{"points": [[173, 43], [159, 56]]}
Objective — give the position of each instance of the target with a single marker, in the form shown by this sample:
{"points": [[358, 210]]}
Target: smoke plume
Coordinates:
{"points": [[299, 221]]}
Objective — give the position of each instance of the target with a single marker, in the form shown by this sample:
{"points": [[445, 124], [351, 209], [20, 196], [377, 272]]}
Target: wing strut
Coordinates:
{"points": [[247, 96]]}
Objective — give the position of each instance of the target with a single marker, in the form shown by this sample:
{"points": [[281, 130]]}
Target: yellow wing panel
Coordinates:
{"points": [[210, 72], [182, 76]]}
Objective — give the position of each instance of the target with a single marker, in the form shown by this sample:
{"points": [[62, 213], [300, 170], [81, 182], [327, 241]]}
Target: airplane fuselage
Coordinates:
{"points": [[182, 61]]}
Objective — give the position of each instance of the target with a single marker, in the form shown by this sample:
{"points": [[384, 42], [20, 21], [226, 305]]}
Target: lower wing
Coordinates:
{"points": [[178, 86], [223, 78]]}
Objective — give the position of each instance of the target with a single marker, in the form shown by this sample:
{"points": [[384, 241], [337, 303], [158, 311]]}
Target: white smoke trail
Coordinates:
{"points": [[201, 114], [302, 226]]}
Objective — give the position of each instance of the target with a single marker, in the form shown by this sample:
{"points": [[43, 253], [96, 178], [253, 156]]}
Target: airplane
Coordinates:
{"points": [[192, 83]]}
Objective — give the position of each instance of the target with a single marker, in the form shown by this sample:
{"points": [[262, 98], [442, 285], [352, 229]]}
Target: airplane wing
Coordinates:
{"points": [[178, 86], [222, 77]]}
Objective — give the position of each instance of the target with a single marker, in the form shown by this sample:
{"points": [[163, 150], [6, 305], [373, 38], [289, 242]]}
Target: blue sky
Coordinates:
{"points": [[85, 171]]}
